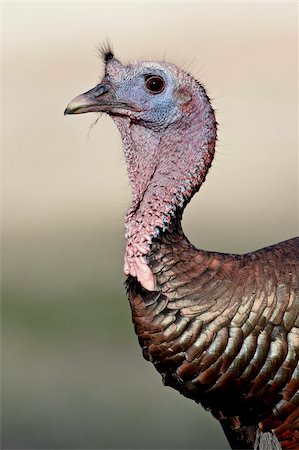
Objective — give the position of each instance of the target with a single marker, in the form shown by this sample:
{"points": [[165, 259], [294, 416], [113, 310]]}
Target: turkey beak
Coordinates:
{"points": [[95, 100], [98, 99]]}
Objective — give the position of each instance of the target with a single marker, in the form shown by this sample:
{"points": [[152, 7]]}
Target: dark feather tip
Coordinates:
{"points": [[107, 56], [105, 52]]}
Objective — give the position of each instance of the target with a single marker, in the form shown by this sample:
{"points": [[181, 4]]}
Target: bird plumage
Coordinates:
{"points": [[222, 329]]}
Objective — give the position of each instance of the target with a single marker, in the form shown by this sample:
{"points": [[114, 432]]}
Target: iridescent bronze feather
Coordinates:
{"points": [[223, 330]]}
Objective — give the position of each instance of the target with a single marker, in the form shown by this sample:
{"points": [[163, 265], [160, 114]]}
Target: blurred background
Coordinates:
{"points": [[72, 371]]}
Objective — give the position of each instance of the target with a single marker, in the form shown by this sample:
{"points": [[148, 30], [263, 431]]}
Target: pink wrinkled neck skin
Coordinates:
{"points": [[165, 169]]}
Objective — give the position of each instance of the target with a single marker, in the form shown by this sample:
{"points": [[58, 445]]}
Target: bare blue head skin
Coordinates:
{"points": [[124, 91], [168, 130]]}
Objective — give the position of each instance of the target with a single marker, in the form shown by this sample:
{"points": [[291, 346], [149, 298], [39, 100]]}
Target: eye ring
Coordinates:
{"points": [[154, 84]]}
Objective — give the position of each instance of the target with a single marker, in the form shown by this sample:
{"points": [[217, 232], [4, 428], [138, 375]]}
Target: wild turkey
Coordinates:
{"points": [[222, 329]]}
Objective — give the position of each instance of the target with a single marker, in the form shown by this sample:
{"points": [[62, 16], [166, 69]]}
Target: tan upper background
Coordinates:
{"points": [[73, 374]]}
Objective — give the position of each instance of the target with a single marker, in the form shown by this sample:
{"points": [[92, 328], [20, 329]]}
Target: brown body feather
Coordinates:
{"points": [[223, 330]]}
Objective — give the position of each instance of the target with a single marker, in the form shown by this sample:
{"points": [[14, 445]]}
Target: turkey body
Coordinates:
{"points": [[223, 330]]}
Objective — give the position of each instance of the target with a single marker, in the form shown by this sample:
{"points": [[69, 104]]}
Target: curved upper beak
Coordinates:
{"points": [[98, 99], [91, 101]]}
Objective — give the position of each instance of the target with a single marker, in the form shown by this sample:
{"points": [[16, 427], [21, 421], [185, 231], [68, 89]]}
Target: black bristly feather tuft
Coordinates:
{"points": [[108, 55], [105, 51]]}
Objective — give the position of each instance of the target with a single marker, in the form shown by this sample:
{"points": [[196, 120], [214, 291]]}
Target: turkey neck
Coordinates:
{"points": [[166, 167]]}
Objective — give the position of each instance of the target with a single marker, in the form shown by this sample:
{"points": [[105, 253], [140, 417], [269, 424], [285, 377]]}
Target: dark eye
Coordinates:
{"points": [[154, 84]]}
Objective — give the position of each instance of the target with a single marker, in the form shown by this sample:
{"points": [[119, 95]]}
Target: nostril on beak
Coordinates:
{"points": [[100, 90]]}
